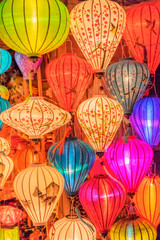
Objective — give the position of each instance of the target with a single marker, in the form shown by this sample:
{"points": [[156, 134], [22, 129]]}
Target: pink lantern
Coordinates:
{"points": [[10, 215]]}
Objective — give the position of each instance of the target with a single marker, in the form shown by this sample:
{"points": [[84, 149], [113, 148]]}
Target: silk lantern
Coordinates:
{"points": [[102, 199], [74, 163], [69, 76], [146, 120], [9, 234], [5, 60], [127, 81], [6, 167], [100, 118], [9, 216], [4, 105], [33, 27], [4, 146], [97, 27], [35, 117], [4, 93]]}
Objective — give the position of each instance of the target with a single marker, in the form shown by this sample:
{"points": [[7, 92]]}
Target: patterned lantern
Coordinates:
{"points": [[10, 216], [69, 76], [127, 81], [33, 27], [146, 120], [4, 104], [129, 161], [4, 93], [6, 167], [74, 163], [35, 117], [102, 199], [97, 27], [4, 146], [142, 33], [100, 118], [9, 234], [39, 188], [5, 60]]}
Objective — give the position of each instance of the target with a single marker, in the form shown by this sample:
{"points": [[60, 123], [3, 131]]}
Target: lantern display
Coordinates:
{"points": [[102, 199], [10, 216], [9, 234], [127, 81], [100, 118], [4, 146], [4, 105], [33, 28], [71, 227], [39, 188], [35, 117], [97, 27], [69, 76], [142, 33], [6, 167], [5, 61], [146, 120], [74, 163], [129, 161], [4, 93]]}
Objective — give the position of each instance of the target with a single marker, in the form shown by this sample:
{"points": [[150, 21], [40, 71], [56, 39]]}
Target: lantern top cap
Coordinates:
{"points": [[127, 59], [36, 97], [100, 176], [38, 164], [71, 217], [68, 54], [70, 138]]}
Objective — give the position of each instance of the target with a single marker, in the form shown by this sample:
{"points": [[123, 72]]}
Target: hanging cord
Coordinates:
{"points": [[122, 49], [82, 220], [30, 88]]}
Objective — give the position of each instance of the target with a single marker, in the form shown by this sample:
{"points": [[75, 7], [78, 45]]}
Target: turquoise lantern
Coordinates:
{"points": [[4, 105], [5, 60]]}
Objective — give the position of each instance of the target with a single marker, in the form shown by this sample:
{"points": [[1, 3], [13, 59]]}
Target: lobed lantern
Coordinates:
{"points": [[6, 167], [4, 146], [5, 61], [9, 234], [4, 105], [9, 216], [4, 93]]}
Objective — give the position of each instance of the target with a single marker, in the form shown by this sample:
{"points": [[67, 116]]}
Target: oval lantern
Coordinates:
{"points": [[5, 60], [69, 76], [97, 27], [4, 105], [142, 33], [33, 28], [127, 81], [74, 163], [9, 216], [129, 161], [4, 146], [146, 120], [100, 118], [4, 93], [38, 189], [6, 167], [102, 199]]}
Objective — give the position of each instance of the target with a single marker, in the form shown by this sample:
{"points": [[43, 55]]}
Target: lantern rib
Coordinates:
{"points": [[155, 213], [157, 217], [101, 185], [39, 204], [37, 18]]}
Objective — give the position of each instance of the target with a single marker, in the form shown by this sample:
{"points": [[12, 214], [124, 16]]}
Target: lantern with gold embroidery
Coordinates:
{"points": [[6, 167]]}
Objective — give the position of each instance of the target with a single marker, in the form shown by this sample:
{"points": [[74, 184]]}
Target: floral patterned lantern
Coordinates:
{"points": [[6, 167], [10, 216], [4, 104], [97, 27], [5, 60], [4, 146], [9, 234], [4, 93]]}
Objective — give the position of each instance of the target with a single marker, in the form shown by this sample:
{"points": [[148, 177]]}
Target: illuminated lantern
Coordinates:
{"points": [[4, 93], [102, 199], [142, 33], [127, 81], [146, 120], [6, 167], [9, 234], [33, 27], [5, 61], [35, 117], [129, 161], [100, 118], [97, 27], [4, 104], [10, 216], [74, 163], [39, 188], [4, 146], [97, 168], [69, 76]]}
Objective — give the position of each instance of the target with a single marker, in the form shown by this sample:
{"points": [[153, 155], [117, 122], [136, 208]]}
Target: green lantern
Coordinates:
{"points": [[9, 234]]}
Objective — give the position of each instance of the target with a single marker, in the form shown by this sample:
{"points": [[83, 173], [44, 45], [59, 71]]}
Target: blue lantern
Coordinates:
{"points": [[127, 81], [5, 60], [4, 105], [74, 163], [146, 120]]}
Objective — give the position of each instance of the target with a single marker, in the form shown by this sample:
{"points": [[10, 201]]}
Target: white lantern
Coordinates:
{"points": [[6, 167]]}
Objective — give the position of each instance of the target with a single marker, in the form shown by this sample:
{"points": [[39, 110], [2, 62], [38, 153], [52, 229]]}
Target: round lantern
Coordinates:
{"points": [[6, 167], [39, 188], [127, 81], [71, 227], [97, 27], [142, 33], [10, 216], [102, 199], [69, 76], [4, 146], [5, 61], [35, 117], [100, 118], [33, 27], [4, 93], [74, 163], [146, 120], [9, 234], [4, 104], [129, 161]]}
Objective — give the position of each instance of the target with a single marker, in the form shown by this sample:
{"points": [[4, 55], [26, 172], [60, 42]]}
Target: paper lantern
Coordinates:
{"points": [[9, 234], [33, 27], [4, 104], [100, 118], [127, 81], [39, 188], [97, 27], [142, 33], [4, 146], [146, 120], [35, 117], [4, 93], [129, 161], [6, 167], [71, 227], [102, 199], [69, 76], [74, 163], [10, 216], [5, 60]]}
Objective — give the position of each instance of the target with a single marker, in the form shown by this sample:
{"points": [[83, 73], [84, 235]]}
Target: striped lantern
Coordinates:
{"points": [[4, 105], [5, 61], [38, 189], [4, 146], [6, 167]]}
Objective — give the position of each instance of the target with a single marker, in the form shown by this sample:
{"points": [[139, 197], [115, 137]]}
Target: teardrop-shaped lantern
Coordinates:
{"points": [[69, 76], [102, 199], [4, 146], [9, 216], [100, 118], [35, 117], [33, 27], [74, 163], [146, 120], [4, 93], [97, 27], [6, 167], [5, 60], [39, 188], [129, 161], [4, 105], [127, 81]]}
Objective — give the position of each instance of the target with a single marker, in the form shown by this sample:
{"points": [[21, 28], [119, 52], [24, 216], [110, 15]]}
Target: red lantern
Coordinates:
{"points": [[10, 215]]}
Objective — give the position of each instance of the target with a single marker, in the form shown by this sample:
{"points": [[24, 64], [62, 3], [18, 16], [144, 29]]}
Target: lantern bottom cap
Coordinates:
{"points": [[104, 234], [40, 224]]}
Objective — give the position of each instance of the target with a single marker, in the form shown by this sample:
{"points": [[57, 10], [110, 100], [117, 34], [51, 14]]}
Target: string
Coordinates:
{"points": [[122, 49]]}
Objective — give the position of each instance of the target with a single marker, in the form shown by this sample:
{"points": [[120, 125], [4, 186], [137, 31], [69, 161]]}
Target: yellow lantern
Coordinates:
{"points": [[6, 167], [4, 93], [4, 146], [9, 233]]}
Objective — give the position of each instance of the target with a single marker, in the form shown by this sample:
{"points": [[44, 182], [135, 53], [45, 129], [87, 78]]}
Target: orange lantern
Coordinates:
{"points": [[36, 235], [6, 167], [4, 146], [10, 215]]}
